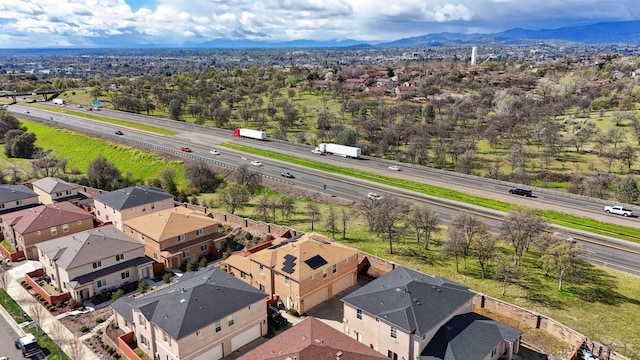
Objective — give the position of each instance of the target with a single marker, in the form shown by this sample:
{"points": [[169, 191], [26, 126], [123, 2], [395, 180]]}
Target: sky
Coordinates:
{"points": [[130, 23]]}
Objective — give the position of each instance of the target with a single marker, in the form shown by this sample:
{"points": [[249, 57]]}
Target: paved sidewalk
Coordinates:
{"points": [[27, 302]]}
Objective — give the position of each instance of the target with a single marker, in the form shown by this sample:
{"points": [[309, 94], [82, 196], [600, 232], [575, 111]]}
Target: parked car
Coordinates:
{"points": [[521, 191], [256, 163], [118, 132], [373, 196], [186, 149], [618, 210], [214, 152], [276, 318], [394, 168], [287, 174]]}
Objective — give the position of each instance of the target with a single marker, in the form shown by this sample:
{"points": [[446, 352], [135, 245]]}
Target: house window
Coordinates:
{"points": [[493, 352], [65, 227], [391, 355], [199, 232], [38, 232], [261, 269], [197, 332], [119, 257], [97, 264], [143, 208], [334, 269], [230, 319], [286, 280], [54, 231], [204, 247], [79, 222], [165, 337], [180, 237], [58, 194], [1, 206], [346, 330], [185, 254], [243, 275], [312, 276], [144, 341], [218, 326], [262, 288], [102, 283], [141, 320], [324, 273], [68, 192], [155, 256], [124, 275], [394, 333], [98, 212], [19, 202], [153, 206], [359, 314], [107, 217]]}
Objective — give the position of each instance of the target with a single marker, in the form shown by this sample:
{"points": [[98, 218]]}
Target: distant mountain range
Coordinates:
{"points": [[605, 33]]}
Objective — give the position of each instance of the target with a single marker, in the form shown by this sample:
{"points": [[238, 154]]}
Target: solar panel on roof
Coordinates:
{"points": [[315, 262], [289, 263], [321, 241]]}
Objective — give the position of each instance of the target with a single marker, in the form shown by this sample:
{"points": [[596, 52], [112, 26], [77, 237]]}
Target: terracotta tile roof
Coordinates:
{"points": [[313, 340], [169, 223], [44, 217], [300, 255]]}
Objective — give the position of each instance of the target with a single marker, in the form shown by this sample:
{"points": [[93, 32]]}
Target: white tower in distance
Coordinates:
{"points": [[474, 53]]}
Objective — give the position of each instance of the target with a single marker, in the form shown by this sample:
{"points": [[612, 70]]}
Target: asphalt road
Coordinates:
{"points": [[622, 255]]}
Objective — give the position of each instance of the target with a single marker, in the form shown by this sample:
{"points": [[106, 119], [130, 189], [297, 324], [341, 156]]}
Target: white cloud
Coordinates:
{"points": [[87, 22]]}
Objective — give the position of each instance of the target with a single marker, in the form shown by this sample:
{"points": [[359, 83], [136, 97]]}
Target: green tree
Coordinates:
{"points": [[168, 181], [102, 174], [428, 113], [627, 191], [7, 122], [19, 144], [347, 137], [175, 109], [143, 287], [234, 196]]}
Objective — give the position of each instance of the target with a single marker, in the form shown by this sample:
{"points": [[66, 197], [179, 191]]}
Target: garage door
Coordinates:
{"points": [[213, 354], [342, 284], [246, 337], [315, 299]]}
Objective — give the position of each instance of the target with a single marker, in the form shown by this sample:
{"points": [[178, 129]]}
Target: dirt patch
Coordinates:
{"points": [[76, 322]]}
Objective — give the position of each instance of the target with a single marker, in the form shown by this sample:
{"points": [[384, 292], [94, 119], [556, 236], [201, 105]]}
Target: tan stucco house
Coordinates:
{"points": [[207, 315], [120, 205], [176, 235], [94, 261], [25, 228], [51, 189], [409, 315], [303, 271]]}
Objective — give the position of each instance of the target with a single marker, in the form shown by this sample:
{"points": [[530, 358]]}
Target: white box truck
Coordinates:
{"points": [[249, 133], [339, 150], [28, 345], [59, 101]]}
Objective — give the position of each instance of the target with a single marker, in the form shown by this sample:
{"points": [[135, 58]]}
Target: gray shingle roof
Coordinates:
{"points": [[468, 336], [92, 276], [52, 185], [85, 247], [410, 300], [15, 192], [197, 300], [133, 196]]}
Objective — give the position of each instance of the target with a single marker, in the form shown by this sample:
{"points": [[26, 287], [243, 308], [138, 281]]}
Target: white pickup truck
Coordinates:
{"points": [[618, 210]]}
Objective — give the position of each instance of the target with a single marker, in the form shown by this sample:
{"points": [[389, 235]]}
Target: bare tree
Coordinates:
{"points": [[245, 176], [57, 332], [233, 197], [287, 205], [520, 227], [369, 208], [331, 221], [314, 214], [425, 221], [469, 228], [4, 277], [484, 246], [506, 272], [559, 258], [388, 214], [346, 216], [37, 313], [454, 244], [263, 204], [76, 350]]}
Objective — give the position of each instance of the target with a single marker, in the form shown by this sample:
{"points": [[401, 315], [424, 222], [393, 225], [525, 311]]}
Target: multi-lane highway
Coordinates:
{"points": [[607, 251]]}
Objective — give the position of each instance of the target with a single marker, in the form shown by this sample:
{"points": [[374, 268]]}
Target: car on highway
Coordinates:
{"points": [[394, 168], [618, 210], [118, 132], [374, 196], [26, 111], [521, 191], [256, 163], [186, 149], [214, 152], [287, 174]]}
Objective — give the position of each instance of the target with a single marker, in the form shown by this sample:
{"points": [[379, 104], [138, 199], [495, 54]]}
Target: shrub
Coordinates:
{"points": [[99, 320], [143, 287], [248, 236], [116, 356], [117, 294], [166, 278], [24, 283], [294, 312], [84, 329], [74, 304]]}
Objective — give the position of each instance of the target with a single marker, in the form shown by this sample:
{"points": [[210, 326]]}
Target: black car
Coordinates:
{"points": [[276, 318], [521, 191], [287, 174], [118, 132]]}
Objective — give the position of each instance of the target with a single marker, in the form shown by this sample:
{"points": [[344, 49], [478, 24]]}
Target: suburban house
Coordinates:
{"points": [[176, 235], [51, 189], [208, 314], [302, 271], [25, 228], [120, 205], [409, 315], [16, 197], [312, 339], [92, 261]]}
